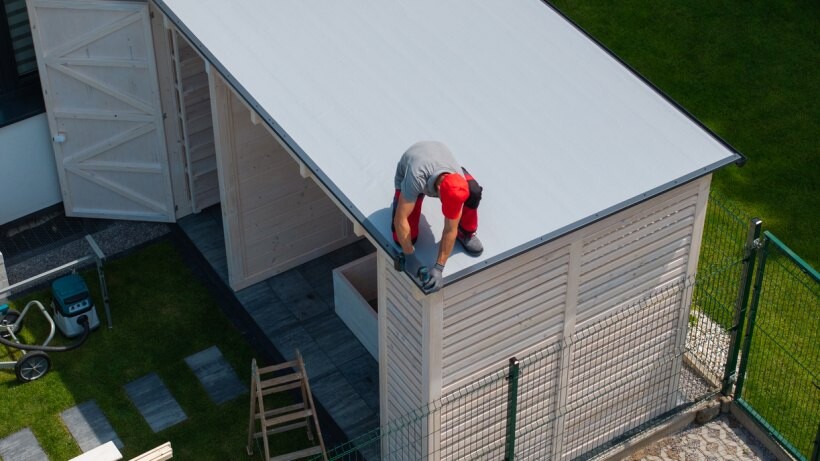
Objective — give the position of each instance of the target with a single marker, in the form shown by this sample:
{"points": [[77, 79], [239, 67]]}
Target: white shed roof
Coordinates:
{"points": [[557, 131]]}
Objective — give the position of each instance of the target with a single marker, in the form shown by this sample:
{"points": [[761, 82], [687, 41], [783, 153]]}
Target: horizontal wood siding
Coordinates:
{"points": [[624, 360], [537, 401], [404, 367], [608, 298], [474, 426], [643, 252], [274, 218], [621, 372], [503, 312]]}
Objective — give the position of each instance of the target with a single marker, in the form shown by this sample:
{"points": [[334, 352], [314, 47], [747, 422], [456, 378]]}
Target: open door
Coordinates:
{"points": [[97, 67]]}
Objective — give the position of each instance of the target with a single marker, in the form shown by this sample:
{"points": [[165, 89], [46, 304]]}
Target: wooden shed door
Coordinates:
{"points": [[97, 67]]}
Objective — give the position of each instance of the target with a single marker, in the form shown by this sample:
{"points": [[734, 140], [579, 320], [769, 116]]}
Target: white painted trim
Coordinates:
{"points": [[571, 304], [691, 270], [381, 266], [432, 325], [225, 167]]}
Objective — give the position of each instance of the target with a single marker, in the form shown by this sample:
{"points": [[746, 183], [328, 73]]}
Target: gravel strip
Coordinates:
{"points": [[120, 236]]}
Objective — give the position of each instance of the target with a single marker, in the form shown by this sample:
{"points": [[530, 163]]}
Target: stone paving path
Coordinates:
{"points": [[155, 402], [216, 375], [89, 426], [21, 446], [720, 439]]}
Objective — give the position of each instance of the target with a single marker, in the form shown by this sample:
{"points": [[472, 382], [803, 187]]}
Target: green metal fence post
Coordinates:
{"points": [[741, 303], [815, 456], [747, 340], [512, 404]]}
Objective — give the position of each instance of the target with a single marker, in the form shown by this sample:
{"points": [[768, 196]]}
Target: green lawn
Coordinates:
{"points": [[749, 71], [161, 315]]}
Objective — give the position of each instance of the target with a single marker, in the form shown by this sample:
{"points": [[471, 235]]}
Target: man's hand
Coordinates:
{"points": [[436, 279], [411, 263]]}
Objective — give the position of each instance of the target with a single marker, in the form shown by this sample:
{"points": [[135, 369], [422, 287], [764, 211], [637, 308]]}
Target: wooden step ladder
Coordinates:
{"points": [[274, 379]]}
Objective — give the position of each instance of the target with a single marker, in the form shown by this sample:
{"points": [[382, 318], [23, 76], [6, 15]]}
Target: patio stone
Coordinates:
{"points": [[89, 426], [21, 446], [155, 402], [341, 400], [216, 375]]}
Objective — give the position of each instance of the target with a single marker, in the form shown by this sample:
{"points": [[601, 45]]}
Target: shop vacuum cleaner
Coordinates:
{"points": [[70, 301]]}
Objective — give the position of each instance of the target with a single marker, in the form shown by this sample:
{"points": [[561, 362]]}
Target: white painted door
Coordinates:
{"points": [[96, 62]]}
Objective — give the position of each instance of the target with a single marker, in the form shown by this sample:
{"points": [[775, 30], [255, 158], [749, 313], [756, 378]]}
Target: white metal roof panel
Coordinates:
{"points": [[557, 131]]}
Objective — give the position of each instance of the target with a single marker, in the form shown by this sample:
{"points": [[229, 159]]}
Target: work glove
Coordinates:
{"points": [[409, 263], [436, 280]]}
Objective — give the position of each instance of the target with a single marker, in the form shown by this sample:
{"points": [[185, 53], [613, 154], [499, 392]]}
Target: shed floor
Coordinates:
{"points": [[295, 310]]}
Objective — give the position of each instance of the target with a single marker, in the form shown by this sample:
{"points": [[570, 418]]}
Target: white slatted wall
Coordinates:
{"points": [[622, 364], [404, 365], [503, 311], [510, 310], [627, 358]]}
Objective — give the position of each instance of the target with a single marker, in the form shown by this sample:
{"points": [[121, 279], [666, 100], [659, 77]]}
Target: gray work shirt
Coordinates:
{"points": [[419, 167]]}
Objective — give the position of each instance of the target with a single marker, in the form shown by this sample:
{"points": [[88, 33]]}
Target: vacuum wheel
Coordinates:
{"points": [[33, 365], [9, 318]]}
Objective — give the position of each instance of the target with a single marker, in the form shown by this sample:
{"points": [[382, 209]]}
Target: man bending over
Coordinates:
{"points": [[428, 168]]}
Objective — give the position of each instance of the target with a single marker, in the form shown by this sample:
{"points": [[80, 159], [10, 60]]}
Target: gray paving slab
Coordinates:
{"points": [[155, 402], [308, 307], [89, 426], [290, 285], [21, 446], [216, 375], [362, 372], [271, 314], [286, 341], [341, 400], [335, 338]]}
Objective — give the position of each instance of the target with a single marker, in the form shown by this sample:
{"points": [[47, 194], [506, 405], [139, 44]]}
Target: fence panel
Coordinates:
{"points": [[779, 383]]}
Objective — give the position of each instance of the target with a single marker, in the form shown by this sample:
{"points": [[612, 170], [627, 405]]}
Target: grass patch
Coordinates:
{"points": [[161, 315]]}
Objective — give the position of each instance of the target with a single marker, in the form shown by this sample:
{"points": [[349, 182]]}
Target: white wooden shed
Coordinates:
{"points": [[292, 115]]}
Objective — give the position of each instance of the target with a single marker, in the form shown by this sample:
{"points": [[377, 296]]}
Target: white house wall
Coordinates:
{"points": [[273, 218], [28, 175]]}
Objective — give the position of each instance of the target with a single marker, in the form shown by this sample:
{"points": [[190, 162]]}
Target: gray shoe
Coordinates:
{"points": [[472, 245]]}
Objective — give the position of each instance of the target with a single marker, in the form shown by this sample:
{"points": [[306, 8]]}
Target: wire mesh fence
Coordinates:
{"points": [[779, 380], [569, 400]]}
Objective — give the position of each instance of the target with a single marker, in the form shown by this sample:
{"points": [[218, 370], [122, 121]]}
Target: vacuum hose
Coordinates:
{"points": [[83, 320]]}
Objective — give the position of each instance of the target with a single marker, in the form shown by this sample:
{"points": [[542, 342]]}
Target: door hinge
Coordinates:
{"points": [[151, 14], [164, 115]]}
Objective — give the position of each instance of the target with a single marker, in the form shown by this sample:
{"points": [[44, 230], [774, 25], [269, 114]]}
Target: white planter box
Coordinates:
{"points": [[355, 294]]}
